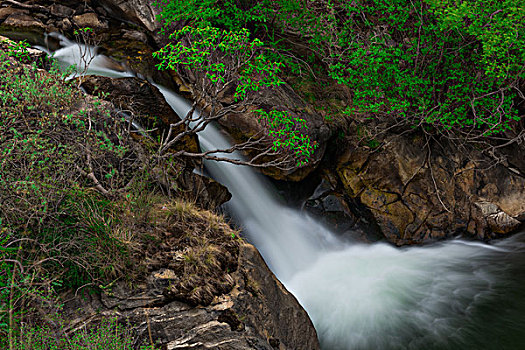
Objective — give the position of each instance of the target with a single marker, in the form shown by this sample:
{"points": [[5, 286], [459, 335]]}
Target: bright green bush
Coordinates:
{"points": [[445, 64], [497, 25], [217, 44], [209, 52], [421, 70]]}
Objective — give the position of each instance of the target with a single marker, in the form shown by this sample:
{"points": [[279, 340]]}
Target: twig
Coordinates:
{"points": [[27, 6], [434, 179]]}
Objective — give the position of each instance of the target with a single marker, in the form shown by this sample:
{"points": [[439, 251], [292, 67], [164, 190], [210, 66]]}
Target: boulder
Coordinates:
{"points": [[65, 24], [7, 11], [498, 220], [134, 35], [90, 20], [417, 191], [20, 21]]}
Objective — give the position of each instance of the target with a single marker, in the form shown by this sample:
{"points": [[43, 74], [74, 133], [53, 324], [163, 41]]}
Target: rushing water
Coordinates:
{"points": [[454, 295]]}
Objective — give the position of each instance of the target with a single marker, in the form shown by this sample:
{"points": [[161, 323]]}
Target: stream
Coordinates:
{"points": [[452, 295]]}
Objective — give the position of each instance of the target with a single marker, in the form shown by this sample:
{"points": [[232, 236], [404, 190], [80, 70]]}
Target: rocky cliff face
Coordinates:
{"points": [[257, 313], [413, 191]]}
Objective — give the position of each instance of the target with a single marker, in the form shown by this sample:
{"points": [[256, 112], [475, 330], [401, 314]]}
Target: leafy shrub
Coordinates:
{"points": [[208, 49], [431, 63], [218, 45]]}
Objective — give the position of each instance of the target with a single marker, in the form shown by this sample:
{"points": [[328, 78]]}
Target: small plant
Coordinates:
{"points": [[288, 133], [107, 335], [86, 42]]}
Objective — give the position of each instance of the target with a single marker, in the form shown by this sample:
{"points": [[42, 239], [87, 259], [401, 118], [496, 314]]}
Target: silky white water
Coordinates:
{"points": [[454, 295], [85, 58], [368, 296]]}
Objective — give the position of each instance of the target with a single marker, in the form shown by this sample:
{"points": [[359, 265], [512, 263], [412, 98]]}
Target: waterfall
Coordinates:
{"points": [[367, 296], [85, 58], [287, 240], [452, 295]]}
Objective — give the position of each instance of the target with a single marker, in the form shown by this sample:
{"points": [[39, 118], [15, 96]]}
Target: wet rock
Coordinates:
{"points": [[65, 24], [131, 47], [134, 35], [329, 206], [417, 192], [90, 20], [209, 193], [497, 219]]}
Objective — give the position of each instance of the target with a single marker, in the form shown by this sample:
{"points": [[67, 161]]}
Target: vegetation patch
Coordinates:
{"points": [[197, 245], [447, 68], [84, 204]]}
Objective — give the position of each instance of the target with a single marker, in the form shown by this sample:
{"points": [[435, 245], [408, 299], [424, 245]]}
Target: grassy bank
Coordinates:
{"points": [[81, 209]]}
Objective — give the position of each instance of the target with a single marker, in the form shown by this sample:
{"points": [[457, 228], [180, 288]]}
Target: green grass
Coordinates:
{"points": [[57, 228], [108, 334]]}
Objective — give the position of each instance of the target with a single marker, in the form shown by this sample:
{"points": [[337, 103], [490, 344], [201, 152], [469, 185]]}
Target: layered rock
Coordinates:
{"points": [[254, 312], [417, 191]]}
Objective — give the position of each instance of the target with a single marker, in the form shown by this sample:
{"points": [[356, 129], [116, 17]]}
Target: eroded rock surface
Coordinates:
{"points": [[140, 12], [257, 313], [417, 191]]}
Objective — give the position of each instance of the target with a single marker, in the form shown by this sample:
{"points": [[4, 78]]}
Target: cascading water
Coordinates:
{"points": [[85, 58], [455, 295], [288, 241]]}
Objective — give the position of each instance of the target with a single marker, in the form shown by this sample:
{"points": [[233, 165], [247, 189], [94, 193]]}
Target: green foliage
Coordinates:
{"points": [[108, 335], [224, 14], [442, 63], [431, 76], [15, 49], [289, 134], [208, 50], [498, 26]]}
